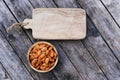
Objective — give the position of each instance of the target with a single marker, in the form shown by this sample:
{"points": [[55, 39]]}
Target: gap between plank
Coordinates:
{"points": [[31, 4], [32, 41], [95, 60], [87, 51], [11, 44], [61, 48], [64, 52], [5, 69], [16, 20], [110, 13], [16, 53], [100, 33]]}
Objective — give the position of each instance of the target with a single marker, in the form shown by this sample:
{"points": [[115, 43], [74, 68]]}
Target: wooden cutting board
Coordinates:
{"points": [[57, 23]]}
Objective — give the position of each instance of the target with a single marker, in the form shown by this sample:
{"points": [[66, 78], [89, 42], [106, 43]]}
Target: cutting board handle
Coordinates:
{"points": [[29, 21], [19, 25]]}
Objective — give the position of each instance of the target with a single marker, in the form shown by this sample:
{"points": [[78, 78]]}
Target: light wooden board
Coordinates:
{"points": [[62, 23], [76, 51], [64, 72], [96, 47], [16, 40], [94, 44]]}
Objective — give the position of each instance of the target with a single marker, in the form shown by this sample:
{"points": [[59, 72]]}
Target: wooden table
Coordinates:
{"points": [[97, 57]]}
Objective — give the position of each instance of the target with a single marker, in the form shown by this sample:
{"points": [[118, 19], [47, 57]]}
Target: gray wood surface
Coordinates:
{"points": [[94, 58], [95, 49], [4, 74], [113, 7], [67, 46], [19, 42], [62, 75], [92, 62], [105, 24], [11, 62]]}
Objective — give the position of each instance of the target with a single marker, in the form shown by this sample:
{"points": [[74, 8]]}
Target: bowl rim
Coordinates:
{"points": [[29, 59]]}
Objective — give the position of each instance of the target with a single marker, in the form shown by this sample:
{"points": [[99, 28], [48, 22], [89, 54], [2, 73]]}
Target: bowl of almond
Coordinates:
{"points": [[42, 56]]}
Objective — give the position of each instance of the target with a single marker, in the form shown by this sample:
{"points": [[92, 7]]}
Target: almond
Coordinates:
{"points": [[47, 52], [44, 49], [42, 56], [41, 46], [39, 52], [47, 60], [50, 48], [51, 53], [34, 61], [37, 67]]}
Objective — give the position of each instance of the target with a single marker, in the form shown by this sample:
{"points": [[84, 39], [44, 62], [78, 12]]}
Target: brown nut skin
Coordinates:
{"points": [[51, 53], [46, 60], [33, 63], [47, 52], [39, 52], [41, 46], [50, 48], [42, 57], [38, 67], [44, 49], [33, 56], [50, 65], [47, 68], [36, 47], [51, 59]]}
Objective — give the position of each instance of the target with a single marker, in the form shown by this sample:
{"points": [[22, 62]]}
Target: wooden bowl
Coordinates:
{"points": [[28, 58]]}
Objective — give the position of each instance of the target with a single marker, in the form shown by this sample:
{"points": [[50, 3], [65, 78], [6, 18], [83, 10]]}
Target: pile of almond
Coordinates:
{"points": [[42, 56]]}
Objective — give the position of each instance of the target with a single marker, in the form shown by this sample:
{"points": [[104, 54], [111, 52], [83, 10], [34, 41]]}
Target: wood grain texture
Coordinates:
{"points": [[98, 48], [11, 62], [20, 42], [65, 72], [102, 54], [42, 3], [65, 69], [81, 66], [70, 23], [105, 24], [91, 42], [113, 7], [3, 74]]}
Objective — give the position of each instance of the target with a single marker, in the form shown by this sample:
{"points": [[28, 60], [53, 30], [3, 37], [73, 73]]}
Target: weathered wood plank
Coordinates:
{"points": [[36, 3], [97, 48], [3, 74], [64, 72], [82, 61], [20, 42], [82, 64], [11, 62], [41, 3], [113, 7], [102, 54], [104, 23]]}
